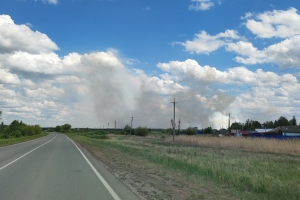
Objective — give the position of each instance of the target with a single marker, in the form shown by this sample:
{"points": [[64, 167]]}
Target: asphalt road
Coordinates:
{"points": [[54, 167]]}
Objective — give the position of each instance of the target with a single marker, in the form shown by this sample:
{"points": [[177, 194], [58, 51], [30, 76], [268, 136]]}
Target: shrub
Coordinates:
{"points": [[66, 128], [127, 130], [208, 130], [102, 136], [191, 131], [141, 131], [58, 128]]}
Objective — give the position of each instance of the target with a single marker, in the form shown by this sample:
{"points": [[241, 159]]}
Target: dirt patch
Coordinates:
{"points": [[150, 181]]}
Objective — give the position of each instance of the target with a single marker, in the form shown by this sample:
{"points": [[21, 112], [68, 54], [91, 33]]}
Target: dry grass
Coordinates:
{"points": [[224, 171], [253, 144]]}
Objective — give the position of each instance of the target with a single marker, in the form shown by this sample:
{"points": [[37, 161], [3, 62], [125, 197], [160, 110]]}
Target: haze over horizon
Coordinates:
{"points": [[91, 63]]}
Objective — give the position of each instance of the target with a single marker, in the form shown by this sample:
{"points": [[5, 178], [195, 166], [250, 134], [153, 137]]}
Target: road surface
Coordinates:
{"points": [[54, 167]]}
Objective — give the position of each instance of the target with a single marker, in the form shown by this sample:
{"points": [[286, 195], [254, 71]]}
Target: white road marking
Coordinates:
{"points": [[110, 190], [26, 153]]}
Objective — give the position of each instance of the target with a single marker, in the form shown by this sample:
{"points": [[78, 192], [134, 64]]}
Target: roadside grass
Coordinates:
{"points": [[246, 174], [10, 141], [291, 146], [99, 134]]}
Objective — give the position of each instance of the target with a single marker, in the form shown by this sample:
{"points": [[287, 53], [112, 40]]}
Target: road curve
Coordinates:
{"points": [[53, 167]]}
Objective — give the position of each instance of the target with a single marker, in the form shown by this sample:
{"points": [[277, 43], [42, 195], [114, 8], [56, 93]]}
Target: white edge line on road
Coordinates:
{"points": [[110, 190], [26, 153]]}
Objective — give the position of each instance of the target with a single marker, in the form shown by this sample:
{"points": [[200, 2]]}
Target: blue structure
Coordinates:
{"points": [[278, 137]]}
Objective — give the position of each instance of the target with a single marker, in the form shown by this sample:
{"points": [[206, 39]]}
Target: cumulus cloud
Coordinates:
{"points": [[285, 53], [15, 37], [8, 78], [205, 43], [38, 86], [277, 23], [201, 5]]}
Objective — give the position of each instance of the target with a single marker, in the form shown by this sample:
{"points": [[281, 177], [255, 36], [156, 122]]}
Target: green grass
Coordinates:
{"points": [[10, 141], [251, 175]]}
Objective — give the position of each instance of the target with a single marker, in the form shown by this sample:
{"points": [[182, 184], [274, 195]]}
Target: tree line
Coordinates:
{"points": [[252, 124], [63, 128], [18, 129]]}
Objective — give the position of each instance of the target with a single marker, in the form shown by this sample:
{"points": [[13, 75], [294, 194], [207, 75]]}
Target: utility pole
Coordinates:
{"points": [[229, 130], [108, 125], [174, 119], [131, 125], [179, 126], [115, 124]]}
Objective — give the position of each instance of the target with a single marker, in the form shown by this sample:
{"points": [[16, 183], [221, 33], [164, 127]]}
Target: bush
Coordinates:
{"points": [[141, 131], [208, 130], [66, 128], [127, 130], [102, 136], [191, 131], [58, 128]]}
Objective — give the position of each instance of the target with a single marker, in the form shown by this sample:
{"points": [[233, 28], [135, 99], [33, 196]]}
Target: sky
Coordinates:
{"points": [[96, 62]]}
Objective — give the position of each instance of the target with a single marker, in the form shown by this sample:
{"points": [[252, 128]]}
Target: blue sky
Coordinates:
{"points": [[142, 30], [168, 48]]}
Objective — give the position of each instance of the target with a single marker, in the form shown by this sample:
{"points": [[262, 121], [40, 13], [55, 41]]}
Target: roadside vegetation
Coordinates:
{"points": [[18, 132], [201, 167], [96, 134]]}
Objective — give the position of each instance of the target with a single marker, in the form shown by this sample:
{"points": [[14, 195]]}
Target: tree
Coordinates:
{"points": [[282, 121], [127, 129], [66, 128], [141, 131], [252, 125], [268, 124], [208, 130], [0, 114], [293, 121], [236, 126], [58, 128], [191, 131]]}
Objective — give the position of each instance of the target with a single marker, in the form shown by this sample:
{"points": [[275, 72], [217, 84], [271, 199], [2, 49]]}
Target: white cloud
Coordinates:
{"points": [[8, 78], [205, 43], [38, 86], [15, 37], [278, 23], [51, 1], [285, 53], [247, 15], [201, 5]]}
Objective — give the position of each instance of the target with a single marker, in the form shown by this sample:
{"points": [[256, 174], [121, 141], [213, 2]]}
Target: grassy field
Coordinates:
{"points": [[5, 142], [202, 168]]}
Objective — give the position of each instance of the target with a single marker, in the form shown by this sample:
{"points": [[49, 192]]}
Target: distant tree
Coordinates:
{"points": [[268, 124], [16, 125], [293, 121], [191, 131], [66, 128], [236, 126], [282, 121], [208, 130], [0, 114], [58, 128], [2, 128], [276, 124], [127, 129], [141, 131], [252, 125]]}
